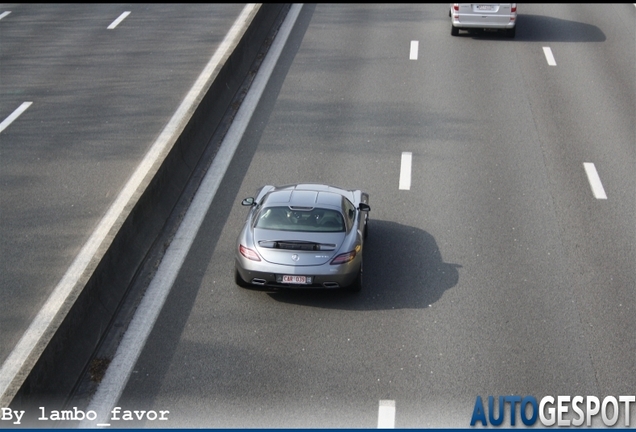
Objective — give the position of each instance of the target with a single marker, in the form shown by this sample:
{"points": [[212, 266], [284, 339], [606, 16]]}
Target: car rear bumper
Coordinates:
{"points": [[323, 276]]}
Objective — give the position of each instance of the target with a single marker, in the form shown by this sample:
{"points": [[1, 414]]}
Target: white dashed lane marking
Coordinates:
{"points": [[595, 181], [405, 171], [548, 56], [415, 46], [118, 20], [4, 14], [14, 115], [386, 414]]}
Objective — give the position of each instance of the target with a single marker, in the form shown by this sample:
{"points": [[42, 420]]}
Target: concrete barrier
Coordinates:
{"points": [[52, 370]]}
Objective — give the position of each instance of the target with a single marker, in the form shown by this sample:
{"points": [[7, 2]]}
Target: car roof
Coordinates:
{"points": [[308, 195]]}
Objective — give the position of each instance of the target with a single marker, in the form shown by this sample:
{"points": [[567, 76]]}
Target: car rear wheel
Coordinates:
{"points": [[454, 30], [511, 32], [239, 280], [356, 286]]}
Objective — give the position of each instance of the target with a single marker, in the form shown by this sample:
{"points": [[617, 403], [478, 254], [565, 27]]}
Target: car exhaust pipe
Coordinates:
{"points": [[331, 285], [258, 281]]}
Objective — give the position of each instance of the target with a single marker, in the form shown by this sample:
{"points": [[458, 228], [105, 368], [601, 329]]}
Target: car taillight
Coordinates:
{"points": [[344, 258], [249, 253], [514, 7], [455, 7]]}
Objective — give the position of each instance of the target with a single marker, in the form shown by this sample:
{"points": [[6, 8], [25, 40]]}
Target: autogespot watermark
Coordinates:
{"points": [[561, 411]]}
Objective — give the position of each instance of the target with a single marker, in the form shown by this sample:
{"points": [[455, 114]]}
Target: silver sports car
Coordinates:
{"points": [[303, 236]]}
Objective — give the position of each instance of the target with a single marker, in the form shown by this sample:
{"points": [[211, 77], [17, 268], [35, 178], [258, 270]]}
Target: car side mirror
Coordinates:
{"points": [[248, 201], [364, 207]]}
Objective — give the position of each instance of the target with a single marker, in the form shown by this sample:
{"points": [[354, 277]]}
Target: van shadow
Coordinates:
{"points": [[541, 28], [403, 269]]}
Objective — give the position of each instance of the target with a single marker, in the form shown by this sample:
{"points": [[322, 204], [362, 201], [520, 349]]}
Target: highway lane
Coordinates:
{"points": [[496, 273], [100, 97], [593, 122]]}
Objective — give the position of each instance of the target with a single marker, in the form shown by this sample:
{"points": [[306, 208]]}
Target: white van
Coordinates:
{"points": [[465, 16]]}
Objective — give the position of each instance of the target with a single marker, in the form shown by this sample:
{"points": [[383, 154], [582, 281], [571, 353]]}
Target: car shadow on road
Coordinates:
{"points": [[403, 269], [541, 28]]}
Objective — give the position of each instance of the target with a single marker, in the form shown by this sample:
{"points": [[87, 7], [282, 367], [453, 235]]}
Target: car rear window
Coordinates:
{"points": [[293, 219]]}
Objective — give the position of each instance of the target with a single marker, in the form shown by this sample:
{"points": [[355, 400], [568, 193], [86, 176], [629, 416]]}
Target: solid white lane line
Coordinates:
{"points": [[4, 14], [405, 171], [415, 45], [118, 20], [595, 181], [548, 56], [134, 340], [14, 115], [386, 414]]}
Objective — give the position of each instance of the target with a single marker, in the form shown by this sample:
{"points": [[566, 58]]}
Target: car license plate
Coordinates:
{"points": [[299, 280], [484, 7]]}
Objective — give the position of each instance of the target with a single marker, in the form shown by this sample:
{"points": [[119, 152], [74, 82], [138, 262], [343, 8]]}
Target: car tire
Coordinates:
{"points": [[511, 32], [239, 280], [366, 229], [356, 286], [454, 30]]}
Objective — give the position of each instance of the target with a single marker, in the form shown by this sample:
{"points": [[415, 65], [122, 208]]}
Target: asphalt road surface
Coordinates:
{"points": [[102, 81], [501, 270], [505, 266]]}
